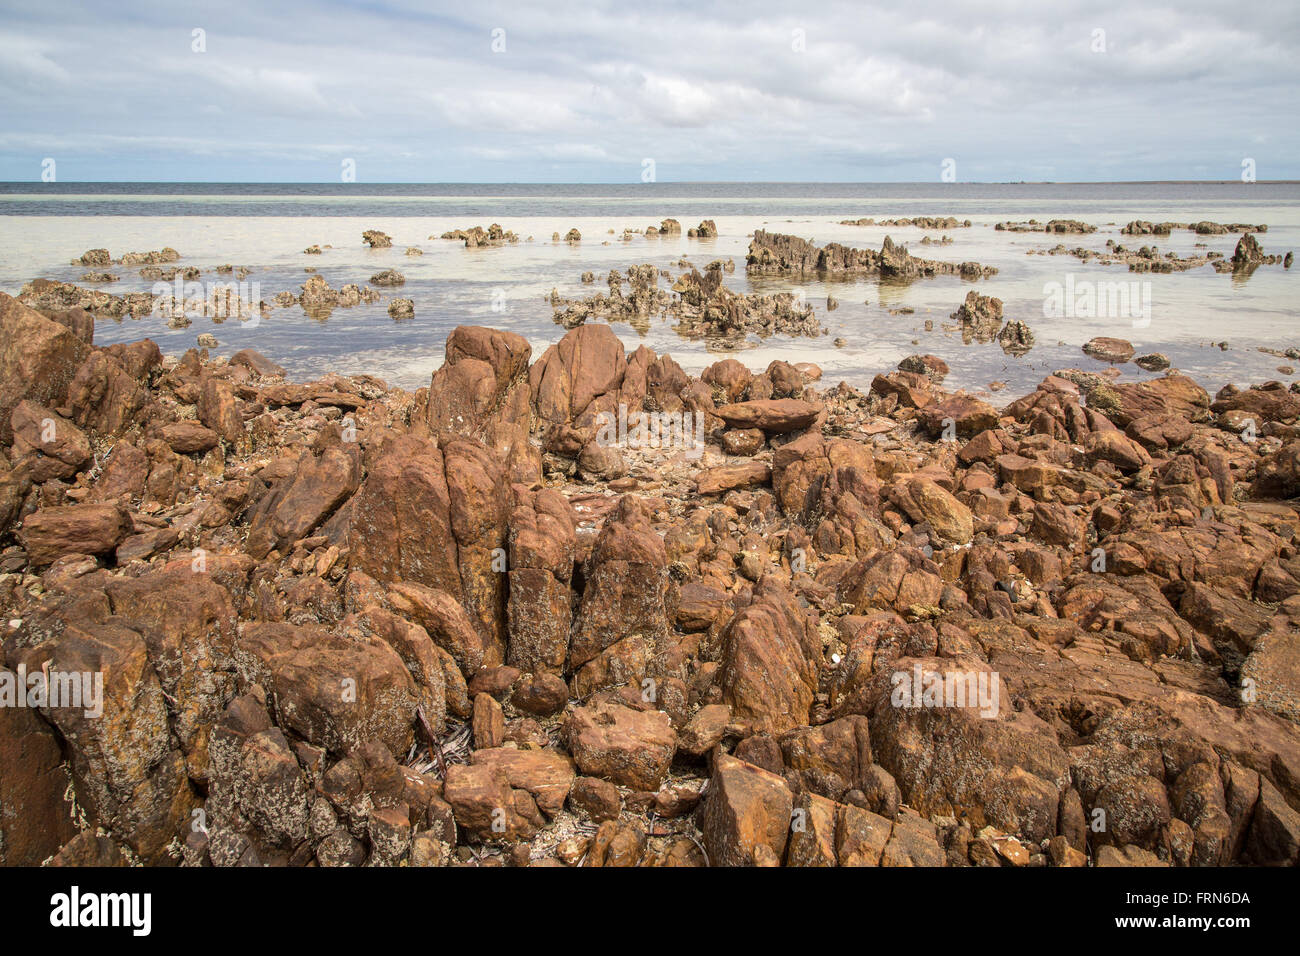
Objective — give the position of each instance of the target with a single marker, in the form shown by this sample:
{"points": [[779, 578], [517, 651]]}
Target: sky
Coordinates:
{"points": [[627, 91]]}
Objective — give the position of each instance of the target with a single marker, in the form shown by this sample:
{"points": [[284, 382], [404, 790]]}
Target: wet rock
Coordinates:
{"points": [[959, 416], [1016, 338], [931, 366], [1108, 349]]}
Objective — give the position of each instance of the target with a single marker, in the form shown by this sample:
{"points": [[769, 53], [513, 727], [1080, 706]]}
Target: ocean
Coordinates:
{"points": [[1211, 325]]}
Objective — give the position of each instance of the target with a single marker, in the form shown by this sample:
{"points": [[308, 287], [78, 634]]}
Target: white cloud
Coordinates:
{"points": [[586, 89]]}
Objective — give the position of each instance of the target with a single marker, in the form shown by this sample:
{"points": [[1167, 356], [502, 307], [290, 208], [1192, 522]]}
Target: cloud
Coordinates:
{"points": [[583, 91]]}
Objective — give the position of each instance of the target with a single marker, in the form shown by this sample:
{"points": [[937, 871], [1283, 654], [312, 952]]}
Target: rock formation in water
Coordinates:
{"points": [[777, 254]]}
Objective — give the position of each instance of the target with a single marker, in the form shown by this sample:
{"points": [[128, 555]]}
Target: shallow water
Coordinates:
{"points": [[42, 228]]}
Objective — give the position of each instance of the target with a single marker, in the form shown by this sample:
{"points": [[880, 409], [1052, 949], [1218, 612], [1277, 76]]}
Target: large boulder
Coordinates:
{"points": [[925, 501], [951, 756], [542, 547], [336, 692], [38, 359], [482, 392], [628, 747], [323, 479], [623, 614], [35, 816], [126, 774], [58, 448], [438, 517], [256, 782], [579, 377], [50, 533], [187, 621], [769, 665], [746, 816], [103, 396], [774, 416]]}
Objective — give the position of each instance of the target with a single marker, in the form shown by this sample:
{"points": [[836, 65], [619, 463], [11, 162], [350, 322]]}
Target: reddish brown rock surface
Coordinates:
{"points": [[354, 625]]}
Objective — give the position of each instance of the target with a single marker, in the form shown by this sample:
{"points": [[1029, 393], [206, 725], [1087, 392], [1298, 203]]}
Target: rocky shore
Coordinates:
{"points": [[582, 608]]}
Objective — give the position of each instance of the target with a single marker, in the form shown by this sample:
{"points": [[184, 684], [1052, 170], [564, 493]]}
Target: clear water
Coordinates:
{"points": [[266, 227]]}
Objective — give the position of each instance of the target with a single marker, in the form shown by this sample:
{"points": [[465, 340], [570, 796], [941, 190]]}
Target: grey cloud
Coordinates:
{"points": [[586, 91]]}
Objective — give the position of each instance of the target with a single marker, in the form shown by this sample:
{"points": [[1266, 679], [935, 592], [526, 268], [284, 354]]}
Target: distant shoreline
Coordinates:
{"points": [[59, 187]]}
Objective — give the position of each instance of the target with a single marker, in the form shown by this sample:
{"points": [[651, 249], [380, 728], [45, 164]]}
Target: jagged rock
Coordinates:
{"points": [[746, 815], [768, 673], [51, 533], [333, 691], [38, 359], [631, 748]]}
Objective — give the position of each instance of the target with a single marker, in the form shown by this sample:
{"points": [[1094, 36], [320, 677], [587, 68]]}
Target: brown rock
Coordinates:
{"points": [[1107, 349], [38, 358], [186, 438], [704, 730], [768, 674], [747, 814], [773, 416], [716, 481], [489, 722], [628, 747], [334, 691], [50, 533], [59, 449]]}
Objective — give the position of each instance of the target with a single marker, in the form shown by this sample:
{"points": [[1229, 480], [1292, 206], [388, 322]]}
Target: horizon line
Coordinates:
{"points": [[677, 182]]}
